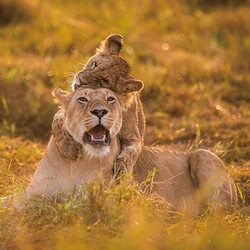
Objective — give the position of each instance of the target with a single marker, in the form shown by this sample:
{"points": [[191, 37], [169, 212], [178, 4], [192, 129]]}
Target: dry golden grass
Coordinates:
{"points": [[194, 58]]}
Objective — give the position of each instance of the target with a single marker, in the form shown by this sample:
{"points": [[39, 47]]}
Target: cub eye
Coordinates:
{"points": [[75, 86], [111, 99], [82, 100], [94, 65]]}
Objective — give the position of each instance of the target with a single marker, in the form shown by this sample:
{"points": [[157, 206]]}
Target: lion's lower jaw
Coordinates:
{"points": [[96, 151]]}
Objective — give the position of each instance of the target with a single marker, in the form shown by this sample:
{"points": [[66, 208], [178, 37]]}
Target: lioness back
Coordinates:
{"points": [[189, 181]]}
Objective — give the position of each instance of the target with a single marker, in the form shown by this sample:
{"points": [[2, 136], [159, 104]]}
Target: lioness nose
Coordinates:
{"points": [[99, 112]]}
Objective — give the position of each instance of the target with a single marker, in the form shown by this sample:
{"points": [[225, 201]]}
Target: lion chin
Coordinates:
{"points": [[96, 151]]}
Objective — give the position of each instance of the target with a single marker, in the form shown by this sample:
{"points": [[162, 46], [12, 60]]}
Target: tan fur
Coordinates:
{"points": [[64, 140], [187, 180], [59, 175], [107, 69]]}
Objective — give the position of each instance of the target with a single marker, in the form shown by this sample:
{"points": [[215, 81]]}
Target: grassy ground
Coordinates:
{"points": [[194, 58]]}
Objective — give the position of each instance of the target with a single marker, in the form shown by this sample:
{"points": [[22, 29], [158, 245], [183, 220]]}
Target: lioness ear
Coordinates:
{"points": [[62, 97], [129, 86], [111, 46]]}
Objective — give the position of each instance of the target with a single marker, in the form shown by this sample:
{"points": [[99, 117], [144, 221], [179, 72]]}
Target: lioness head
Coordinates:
{"points": [[93, 116], [107, 69]]}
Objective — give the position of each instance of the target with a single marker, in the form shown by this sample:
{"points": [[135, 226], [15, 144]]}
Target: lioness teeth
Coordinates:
{"points": [[101, 139], [97, 135], [104, 138]]}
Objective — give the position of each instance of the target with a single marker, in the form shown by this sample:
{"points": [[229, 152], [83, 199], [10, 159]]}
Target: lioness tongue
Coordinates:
{"points": [[97, 132]]}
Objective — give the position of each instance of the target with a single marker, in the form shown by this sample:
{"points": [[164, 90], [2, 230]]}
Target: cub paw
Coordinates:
{"points": [[120, 167]]}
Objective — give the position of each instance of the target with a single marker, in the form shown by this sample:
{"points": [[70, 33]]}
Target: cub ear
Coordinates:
{"points": [[112, 45], [128, 86], [62, 97]]}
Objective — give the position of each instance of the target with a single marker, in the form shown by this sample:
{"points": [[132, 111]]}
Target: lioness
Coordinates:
{"points": [[93, 118], [107, 69]]}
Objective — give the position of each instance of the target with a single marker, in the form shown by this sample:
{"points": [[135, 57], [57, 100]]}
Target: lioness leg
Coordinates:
{"points": [[211, 178]]}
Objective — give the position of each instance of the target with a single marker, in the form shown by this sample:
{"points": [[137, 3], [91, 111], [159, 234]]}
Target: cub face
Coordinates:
{"points": [[103, 71], [107, 69]]}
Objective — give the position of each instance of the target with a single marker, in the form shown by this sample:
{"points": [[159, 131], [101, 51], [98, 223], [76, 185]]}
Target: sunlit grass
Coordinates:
{"points": [[127, 215]]}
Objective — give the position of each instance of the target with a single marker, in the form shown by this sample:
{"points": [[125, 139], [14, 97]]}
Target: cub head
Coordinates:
{"points": [[92, 116], [107, 69]]}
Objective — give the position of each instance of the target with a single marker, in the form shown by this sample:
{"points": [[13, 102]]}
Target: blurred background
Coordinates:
{"points": [[193, 56], [194, 59]]}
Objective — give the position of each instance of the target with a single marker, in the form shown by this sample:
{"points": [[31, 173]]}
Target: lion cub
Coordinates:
{"points": [[107, 69]]}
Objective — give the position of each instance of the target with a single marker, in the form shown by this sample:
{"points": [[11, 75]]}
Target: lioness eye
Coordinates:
{"points": [[111, 99], [82, 100]]}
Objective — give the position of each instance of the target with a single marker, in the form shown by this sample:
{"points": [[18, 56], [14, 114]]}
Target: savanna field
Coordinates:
{"points": [[194, 59]]}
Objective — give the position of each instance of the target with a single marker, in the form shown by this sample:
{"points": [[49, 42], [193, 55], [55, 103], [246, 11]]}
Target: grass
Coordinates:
{"points": [[194, 59]]}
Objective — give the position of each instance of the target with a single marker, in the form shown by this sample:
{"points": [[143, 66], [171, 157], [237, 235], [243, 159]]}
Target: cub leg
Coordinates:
{"points": [[128, 157], [131, 138], [65, 142], [214, 186]]}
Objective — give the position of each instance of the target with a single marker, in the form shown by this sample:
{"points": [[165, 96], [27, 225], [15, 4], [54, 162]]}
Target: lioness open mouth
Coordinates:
{"points": [[97, 135]]}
